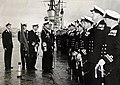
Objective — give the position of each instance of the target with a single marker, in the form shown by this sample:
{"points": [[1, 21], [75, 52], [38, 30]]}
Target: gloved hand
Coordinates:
{"points": [[44, 46], [74, 53], [101, 62], [79, 57], [99, 66], [5, 48], [33, 43], [84, 51]]}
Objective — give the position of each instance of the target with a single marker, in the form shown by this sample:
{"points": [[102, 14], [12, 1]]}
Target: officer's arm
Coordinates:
{"points": [[116, 53], [4, 40], [43, 35], [19, 36], [30, 36]]}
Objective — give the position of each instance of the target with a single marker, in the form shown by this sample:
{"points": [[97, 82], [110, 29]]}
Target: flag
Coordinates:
{"points": [[23, 39]]}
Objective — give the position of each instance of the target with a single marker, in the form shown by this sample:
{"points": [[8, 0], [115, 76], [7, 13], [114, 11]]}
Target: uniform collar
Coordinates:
{"points": [[47, 30], [7, 30], [81, 32], [89, 29], [113, 26], [98, 22], [73, 30], [26, 30], [34, 31]]}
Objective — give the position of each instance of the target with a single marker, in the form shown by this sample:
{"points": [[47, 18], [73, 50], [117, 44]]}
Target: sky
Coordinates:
{"points": [[33, 11]]}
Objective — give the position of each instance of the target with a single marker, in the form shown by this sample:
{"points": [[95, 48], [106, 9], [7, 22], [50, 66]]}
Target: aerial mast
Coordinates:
{"points": [[55, 14]]}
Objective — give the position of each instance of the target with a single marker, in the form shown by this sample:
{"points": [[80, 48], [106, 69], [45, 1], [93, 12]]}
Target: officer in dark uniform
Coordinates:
{"points": [[33, 40], [8, 46], [67, 42], [84, 37], [68, 48], [23, 51], [110, 52], [63, 41], [58, 40], [67, 39], [78, 39], [95, 44], [71, 57], [72, 37], [81, 30], [47, 48], [83, 49], [77, 26], [52, 37]]}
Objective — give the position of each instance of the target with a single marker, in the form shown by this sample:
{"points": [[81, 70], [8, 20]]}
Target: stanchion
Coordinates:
{"points": [[79, 57], [102, 75], [19, 70], [71, 74], [83, 81]]}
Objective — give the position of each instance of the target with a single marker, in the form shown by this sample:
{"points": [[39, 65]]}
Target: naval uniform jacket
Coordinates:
{"points": [[72, 38], [8, 44], [96, 42], [47, 54], [112, 47], [7, 39], [32, 38], [46, 37], [84, 42]]}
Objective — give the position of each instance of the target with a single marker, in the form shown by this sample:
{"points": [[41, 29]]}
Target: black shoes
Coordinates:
{"points": [[11, 67], [23, 68], [48, 71], [6, 69], [31, 69], [34, 69]]}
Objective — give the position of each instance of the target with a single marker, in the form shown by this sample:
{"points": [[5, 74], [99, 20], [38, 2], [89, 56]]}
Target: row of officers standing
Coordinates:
{"points": [[29, 44], [93, 47]]}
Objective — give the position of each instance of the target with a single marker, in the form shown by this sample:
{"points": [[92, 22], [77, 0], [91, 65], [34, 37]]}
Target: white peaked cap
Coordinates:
{"points": [[98, 10], [73, 23], [79, 20], [82, 17], [89, 19], [112, 15]]}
